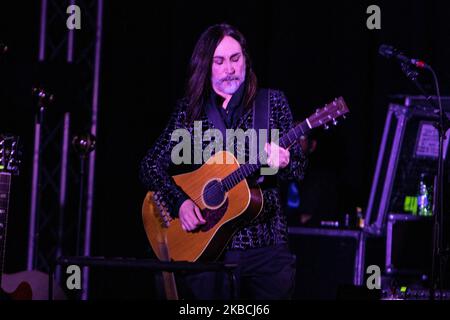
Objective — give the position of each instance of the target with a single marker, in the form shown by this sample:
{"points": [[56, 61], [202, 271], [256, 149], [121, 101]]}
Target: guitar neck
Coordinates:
{"points": [[5, 184], [246, 170]]}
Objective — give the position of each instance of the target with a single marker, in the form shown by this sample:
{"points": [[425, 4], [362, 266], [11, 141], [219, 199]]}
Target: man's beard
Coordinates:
{"points": [[229, 84]]}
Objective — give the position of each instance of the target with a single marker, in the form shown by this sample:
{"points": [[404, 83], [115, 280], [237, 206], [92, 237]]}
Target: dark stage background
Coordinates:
{"points": [[312, 50]]}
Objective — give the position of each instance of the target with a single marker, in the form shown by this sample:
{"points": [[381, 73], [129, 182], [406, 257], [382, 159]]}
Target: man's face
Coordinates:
{"points": [[228, 67]]}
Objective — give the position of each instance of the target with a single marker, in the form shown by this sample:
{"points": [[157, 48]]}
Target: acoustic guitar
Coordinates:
{"points": [[227, 202]]}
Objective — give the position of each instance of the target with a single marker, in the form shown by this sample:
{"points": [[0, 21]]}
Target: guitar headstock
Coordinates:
{"points": [[329, 113], [9, 154]]}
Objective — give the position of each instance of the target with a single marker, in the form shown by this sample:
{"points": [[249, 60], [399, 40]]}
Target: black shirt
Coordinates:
{"points": [[234, 109]]}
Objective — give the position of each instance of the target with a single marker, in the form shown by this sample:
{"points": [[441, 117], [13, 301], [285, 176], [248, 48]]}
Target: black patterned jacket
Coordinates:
{"points": [[270, 227]]}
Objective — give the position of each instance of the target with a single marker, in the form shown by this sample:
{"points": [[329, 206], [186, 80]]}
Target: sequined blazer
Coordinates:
{"points": [[270, 227]]}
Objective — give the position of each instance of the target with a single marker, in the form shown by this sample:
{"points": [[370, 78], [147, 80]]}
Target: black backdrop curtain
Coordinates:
{"points": [[312, 50]]}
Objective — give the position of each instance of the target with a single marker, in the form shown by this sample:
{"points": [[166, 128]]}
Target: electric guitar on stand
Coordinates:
{"points": [[9, 165], [24, 285], [220, 189]]}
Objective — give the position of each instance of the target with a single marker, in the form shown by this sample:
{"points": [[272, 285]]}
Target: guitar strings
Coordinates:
{"points": [[289, 143], [215, 188]]}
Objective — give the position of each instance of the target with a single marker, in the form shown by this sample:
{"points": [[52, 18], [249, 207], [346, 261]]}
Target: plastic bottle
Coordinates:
{"points": [[359, 218], [424, 197]]}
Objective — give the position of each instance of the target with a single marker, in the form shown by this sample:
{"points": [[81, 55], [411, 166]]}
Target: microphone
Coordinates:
{"points": [[390, 52], [3, 48]]}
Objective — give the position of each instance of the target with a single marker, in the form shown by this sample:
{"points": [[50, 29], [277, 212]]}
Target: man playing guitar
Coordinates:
{"points": [[222, 83]]}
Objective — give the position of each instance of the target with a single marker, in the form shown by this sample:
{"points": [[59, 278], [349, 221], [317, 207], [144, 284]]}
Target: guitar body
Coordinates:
{"points": [[21, 290], [224, 215], [29, 285]]}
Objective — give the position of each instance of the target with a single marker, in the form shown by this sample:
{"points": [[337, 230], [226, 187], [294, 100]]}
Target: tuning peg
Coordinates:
{"points": [[335, 122], [326, 127], [344, 117]]}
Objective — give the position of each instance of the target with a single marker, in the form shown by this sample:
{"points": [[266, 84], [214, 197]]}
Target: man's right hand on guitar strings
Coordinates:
{"points": [[190, 216]]}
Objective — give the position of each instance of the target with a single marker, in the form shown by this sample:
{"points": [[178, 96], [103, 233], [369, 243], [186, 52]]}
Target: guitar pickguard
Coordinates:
{"points": [[213, 216]]}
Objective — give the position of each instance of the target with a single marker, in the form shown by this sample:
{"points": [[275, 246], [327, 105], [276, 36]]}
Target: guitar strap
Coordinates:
{"points": [[261, 111]]}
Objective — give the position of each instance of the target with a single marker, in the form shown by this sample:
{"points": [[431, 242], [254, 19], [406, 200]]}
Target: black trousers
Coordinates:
{"points": [[262, 274]]}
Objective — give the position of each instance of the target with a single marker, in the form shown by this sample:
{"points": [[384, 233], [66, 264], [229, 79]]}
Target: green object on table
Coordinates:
{"points": [[410, 204]]}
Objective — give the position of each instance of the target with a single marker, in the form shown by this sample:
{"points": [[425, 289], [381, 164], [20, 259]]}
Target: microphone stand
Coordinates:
{"points": [[83, 145], [440, 254]]}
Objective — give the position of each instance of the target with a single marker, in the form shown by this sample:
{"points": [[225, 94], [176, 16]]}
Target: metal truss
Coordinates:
{"points": [[59, 223]]}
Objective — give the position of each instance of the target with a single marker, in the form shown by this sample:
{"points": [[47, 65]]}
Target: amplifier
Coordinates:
{"points": [[409, 246], [327, 260], [408, 151]]}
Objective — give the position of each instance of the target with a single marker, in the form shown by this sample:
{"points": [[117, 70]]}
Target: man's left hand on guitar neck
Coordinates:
{"points": [[277, 157]]}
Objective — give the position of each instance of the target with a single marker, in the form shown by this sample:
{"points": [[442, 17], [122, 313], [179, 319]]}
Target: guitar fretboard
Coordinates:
{"points": [[248, 169], [5, 184]]}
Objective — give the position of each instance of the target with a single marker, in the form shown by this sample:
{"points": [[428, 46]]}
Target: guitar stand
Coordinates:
{"points": [[149, 264]]}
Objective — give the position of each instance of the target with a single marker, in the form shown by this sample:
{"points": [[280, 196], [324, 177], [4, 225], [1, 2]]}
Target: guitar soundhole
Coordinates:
{"points": [[213, 194]]}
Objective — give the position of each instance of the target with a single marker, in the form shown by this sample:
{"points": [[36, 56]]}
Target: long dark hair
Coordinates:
{"points": [[198, 87]]}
